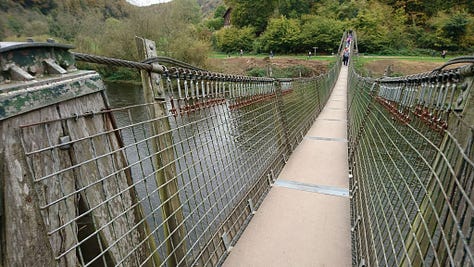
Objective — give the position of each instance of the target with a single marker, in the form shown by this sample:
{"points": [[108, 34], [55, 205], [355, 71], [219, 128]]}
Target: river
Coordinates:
{"points": [[219, 153]]}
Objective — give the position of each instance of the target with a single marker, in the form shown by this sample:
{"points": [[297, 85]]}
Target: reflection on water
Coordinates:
{"points": [[124, 94]]}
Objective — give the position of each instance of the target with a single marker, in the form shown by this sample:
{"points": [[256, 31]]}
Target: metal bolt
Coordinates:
{"points": [[226, 241], [152, 47], [32, 69], [251, 206], [65, 142]]}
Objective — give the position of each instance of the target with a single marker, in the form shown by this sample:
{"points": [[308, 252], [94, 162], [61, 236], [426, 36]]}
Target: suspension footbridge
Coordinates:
{"points": [[305, 218], [216, 169]]}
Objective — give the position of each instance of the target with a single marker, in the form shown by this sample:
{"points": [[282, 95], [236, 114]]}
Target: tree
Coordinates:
{"points": [[282, 36], [372, 27], [218, 21], [15, 25], [252, 13], [452, 31], [455, 28], [43, 5], [64, 25], [220, 11], [233, 39], [398, 36], [323, 32], [188, 47], [174, 28], [294, 8], [215, 24]]}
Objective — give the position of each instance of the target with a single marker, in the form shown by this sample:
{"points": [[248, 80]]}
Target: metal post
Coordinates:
{"points": [[166, 174]]}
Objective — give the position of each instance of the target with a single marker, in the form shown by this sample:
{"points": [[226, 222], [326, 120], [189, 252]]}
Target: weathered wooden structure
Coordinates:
{"points": [[54, 212]]}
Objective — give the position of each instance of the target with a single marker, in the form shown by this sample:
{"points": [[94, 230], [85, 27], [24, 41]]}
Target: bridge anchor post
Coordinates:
{"points": [[164, 161]]}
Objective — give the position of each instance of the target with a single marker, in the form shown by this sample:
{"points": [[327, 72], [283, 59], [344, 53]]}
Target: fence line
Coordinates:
{"points": [[411, 157], [172, 182]]}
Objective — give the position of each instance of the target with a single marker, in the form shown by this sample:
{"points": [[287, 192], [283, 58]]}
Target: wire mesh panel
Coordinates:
{"points": [[301, 98], [411, 156], [130, 186]]}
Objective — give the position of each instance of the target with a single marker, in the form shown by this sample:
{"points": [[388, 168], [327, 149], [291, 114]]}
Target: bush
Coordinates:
{"points": [[257, 72], [292, 72], [233, 39], [288, 72], [324, 33], [282, 36], [409, 52], [118, 74], [215, 24]]}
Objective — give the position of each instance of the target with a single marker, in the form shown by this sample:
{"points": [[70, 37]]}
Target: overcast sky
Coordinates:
{"points": [[146, 2]]}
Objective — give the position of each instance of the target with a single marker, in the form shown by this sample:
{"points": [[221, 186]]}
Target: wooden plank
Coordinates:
{"points": [[34, 236], [106, 195], [53, 188], [26, 240], [2, 193], [436, 198], [166, 177]]}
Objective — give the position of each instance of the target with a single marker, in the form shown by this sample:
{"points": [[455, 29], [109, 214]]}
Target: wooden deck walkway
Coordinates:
{"points": [[305, 218]]}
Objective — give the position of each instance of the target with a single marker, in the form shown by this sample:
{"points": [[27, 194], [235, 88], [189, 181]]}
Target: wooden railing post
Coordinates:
{"points": [[282, 118], [164, 161], [441, 182]]}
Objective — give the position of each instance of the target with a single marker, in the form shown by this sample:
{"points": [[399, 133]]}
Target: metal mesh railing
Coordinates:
{"points": [[411, 157], [136, 186]]}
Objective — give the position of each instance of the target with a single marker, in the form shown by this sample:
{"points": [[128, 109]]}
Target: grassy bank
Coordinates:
{"points": [[218, 55], [377, 66]]}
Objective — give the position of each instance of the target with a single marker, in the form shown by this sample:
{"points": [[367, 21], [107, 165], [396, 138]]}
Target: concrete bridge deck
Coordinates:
{"points": [[305, 218]]}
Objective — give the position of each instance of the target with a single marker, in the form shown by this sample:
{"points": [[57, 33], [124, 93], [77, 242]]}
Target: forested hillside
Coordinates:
{"points": [[385, 26], [181, 30], [108, 27], [209, 6], [55, 17]]}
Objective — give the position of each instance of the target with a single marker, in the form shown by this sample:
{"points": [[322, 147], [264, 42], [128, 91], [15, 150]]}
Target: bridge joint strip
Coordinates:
{"points": [[332, 139], [321, 189]]}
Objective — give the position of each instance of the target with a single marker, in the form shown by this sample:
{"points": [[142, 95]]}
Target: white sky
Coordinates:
{"points": [[146, 2]]}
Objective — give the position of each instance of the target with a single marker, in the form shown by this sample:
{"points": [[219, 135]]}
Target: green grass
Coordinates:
{"points": [[220, 55], [368, 58], [360, 61], [362, 58]]}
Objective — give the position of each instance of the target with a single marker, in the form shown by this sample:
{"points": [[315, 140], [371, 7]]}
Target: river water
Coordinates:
{"points": [[218, 152]]}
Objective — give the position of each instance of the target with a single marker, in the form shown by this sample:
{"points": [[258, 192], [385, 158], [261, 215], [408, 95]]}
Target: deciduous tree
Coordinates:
{"points": [[252, 13], [233, 39], [282, 36], [322, 32]]}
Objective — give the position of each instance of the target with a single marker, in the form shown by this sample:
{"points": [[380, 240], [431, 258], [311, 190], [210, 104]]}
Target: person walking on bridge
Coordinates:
{"points": [[345, 56]]}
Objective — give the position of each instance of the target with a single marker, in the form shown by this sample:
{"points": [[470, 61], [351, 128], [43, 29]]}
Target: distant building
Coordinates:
{"points": [[226, 16]]}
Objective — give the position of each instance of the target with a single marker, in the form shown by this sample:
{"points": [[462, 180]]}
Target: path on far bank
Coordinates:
{"points": [[375, 65], [241, 65]]}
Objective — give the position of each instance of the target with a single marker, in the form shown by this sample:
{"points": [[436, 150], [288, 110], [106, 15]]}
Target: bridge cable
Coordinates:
{"points": [[457, 60]]}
